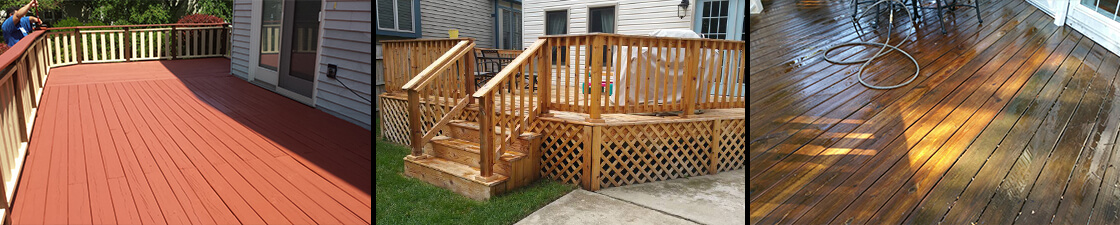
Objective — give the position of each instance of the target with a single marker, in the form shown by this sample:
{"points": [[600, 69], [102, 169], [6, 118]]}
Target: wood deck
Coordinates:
{"points": [[1011, 121], [184, 142]]}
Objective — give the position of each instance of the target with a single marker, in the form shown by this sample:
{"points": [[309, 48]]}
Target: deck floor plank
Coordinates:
{"points": [[184, 142], [1013, 119]]}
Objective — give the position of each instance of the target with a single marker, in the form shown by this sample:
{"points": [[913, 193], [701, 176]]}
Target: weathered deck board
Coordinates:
{"points": [[1010, 117], [187, 144]]}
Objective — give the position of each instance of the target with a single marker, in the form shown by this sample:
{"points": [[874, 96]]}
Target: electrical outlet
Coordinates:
{"points": [[332, 71]]}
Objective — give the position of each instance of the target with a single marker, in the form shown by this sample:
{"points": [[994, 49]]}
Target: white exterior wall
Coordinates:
{"points": [[634, 17]]}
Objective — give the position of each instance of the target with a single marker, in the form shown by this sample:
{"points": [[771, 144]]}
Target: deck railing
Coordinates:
{"points": [[443, 87], [609, 73], [99, 44], [403, 59], [509, 104], [24, 72], [25, 67]]}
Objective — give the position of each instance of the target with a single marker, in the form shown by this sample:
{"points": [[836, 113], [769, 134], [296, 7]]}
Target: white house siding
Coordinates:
{"points": [[239, 55], [635, 17], [471, 17], [347, 42]]}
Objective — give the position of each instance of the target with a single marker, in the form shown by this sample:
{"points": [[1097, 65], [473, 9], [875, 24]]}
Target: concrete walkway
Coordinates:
{"points": [[713, 199]]}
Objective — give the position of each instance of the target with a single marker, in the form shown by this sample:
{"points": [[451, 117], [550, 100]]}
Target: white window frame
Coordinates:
{"points": [[734, 21], [396, 16], [604, 5]]}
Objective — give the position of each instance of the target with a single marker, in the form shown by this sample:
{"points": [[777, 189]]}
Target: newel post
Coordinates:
{"points": [[414, 132], [544, 77], [468, 81], [595, 55], [486, 135]]}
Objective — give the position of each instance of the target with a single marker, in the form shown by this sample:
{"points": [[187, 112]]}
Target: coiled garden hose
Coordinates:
{"points": [[885, 44]]}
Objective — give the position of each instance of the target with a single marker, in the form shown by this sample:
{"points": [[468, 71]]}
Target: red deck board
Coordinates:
{"points": [[184, 142]]}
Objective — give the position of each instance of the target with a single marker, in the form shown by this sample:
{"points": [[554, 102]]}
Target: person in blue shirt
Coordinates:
{"points": [[17, 25]]}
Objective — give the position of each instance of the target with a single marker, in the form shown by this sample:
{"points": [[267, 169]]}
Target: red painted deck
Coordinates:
{"points": [[184, 142]]}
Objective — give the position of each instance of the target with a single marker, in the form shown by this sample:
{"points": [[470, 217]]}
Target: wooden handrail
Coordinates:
{"points": [[426, 76], [428, 71], [141, 25], [515, 89]]}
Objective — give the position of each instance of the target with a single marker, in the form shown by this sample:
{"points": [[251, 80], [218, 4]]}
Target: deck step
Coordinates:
{"points": [[467, 130], [456, 150], [467, 153], [454, 176]]}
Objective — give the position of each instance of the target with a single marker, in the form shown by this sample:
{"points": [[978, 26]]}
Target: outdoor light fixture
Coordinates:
{"points": [[682, 9]]}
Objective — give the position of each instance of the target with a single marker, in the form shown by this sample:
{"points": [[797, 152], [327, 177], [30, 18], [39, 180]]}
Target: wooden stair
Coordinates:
{"points": [[452, 162]]}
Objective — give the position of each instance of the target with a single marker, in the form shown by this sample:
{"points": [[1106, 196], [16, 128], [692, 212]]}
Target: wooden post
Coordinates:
{"points": [[595, 56], [713, 153], [127, 45], [175, 48], [691, 66], [414, 123], [585, 167], [78, 43], [544, 78], [486, 135], [469, 74], [596, 156]]}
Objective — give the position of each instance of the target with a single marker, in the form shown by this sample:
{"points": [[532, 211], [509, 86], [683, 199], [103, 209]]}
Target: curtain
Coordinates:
{"points": [[606, 18], [557, 23]]}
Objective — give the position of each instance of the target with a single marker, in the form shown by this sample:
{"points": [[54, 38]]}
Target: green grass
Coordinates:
{"points": [[404, 200]]}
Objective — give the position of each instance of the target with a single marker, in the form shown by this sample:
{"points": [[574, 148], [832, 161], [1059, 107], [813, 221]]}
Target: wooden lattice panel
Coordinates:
{"points": [[394, 120], [652, 152], [733, 145], [562, 150]]}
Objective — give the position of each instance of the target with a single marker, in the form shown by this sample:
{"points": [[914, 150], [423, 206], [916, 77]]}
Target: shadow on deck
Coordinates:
{"points": [[185, 142]]}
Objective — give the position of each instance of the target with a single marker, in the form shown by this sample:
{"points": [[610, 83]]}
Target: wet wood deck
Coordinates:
{"points": [[1011, 121], [184, 142]]}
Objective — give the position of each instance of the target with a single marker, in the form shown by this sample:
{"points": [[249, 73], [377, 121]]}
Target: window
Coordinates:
{"points": [[1104, 7], [720, 19], [713, 20], [556, 22], [602, 20], [396, 15], [509, 28]]}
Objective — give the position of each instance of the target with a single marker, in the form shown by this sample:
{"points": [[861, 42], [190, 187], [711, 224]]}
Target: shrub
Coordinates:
{"points": [[200, 18], [3, 48]]}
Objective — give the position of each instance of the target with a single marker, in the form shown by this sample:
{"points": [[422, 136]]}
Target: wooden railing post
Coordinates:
{"points": [[414, 123], [486, 135], [78, 43], [594, 54], [469, 83], [174, 43], [544, 78], [127, 45], [691, 66]]}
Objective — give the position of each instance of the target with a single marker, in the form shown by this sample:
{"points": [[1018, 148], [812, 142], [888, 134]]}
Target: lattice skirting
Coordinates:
{"points": [[631, 154], [561, 150], [652, 152], [733, 144], [394, 117]]}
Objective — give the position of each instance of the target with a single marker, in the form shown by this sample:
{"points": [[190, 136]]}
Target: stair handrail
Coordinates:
{"points": [[451, 88], [504, 86]]}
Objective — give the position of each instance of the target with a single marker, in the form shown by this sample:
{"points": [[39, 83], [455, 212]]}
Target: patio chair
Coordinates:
{"points": [[951, 5]]}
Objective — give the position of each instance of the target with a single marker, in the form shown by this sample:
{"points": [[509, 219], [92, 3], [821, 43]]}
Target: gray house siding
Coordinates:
{"points": [[239, 54], [348, 43], [472, 18]]}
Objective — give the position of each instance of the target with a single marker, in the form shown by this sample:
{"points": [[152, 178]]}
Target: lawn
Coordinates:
{"points": [[403, 200]]}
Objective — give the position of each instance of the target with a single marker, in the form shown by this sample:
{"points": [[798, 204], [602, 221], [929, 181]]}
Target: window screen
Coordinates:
{"points": [[395, 15]]}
